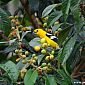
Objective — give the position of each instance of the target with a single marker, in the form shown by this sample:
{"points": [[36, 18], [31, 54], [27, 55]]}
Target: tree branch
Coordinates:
{"points": [[25, 4]]}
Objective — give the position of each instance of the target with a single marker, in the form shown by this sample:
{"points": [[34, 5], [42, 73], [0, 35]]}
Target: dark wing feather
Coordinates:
{"points": [[54, 38], [48, 35]]}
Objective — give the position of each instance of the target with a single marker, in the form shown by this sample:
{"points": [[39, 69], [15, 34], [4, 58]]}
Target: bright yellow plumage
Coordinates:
{"points": [[42, 34]]}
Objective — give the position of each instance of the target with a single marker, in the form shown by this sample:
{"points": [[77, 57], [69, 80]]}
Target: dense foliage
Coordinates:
{"points": [[26, 59]]}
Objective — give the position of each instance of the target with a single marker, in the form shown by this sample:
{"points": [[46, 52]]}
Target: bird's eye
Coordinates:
{"points": [[37, 30]]}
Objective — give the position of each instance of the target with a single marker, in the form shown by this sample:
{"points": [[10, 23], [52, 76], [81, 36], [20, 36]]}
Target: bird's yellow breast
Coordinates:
{"points": [[51, 42]]}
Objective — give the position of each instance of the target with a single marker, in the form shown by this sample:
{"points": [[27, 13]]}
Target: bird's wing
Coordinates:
{"points": [[48, 35], [54, 38]]}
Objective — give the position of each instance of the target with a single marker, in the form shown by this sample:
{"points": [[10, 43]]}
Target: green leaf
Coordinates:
{"points": [[11, 69], [3, 42], [65, 79], [67, 49], [8, 42], [30, 77], [55, 19], [4, 80], [82, 35], [5, 23], [79, 22], [40, 57], [52, 16], [61, 82], [24, 34], [74, 3], [65, 8], [48, 9], [11, 48], [74, 58], [62, 36], [4, 1], [35, 42], [75, 9], [20, 65], [55, 27], [50, 80]]}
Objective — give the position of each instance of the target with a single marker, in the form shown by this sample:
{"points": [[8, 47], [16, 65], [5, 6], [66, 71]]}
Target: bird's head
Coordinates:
{"points": [[40, 32]]}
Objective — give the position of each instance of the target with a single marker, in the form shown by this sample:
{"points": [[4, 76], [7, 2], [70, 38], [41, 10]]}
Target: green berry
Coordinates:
{"points": [[51, 57], [43, 51], [47, 58], [33, 55], [56, 23], [43, 40], [59, 29], [43, 65], [45, 24], [52, 52], [26, 53], [16, 51]]}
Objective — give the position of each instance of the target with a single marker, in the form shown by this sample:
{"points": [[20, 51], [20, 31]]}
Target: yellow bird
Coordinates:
{"points": [[51, 40]]}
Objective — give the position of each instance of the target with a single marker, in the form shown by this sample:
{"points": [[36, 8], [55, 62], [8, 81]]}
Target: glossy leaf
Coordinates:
{"points": [[55, 19], [79, 22], [65, 79], [74, 58], [74, 3], [48, 9], [67, 49], [4, 80], [30, 77], [11, 47], [4, 1], [35, 42], [63, 35], [55, 27], [50, 80], [40, 57], [65, 8], [11, 69], [5, 24]]}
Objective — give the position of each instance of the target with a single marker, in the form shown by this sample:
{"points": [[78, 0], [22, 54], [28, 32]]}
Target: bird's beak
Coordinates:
{"points": [[34, 33]]}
